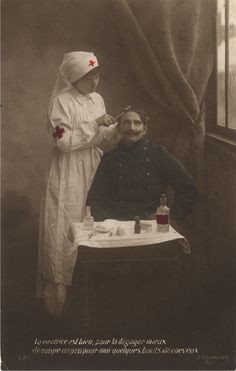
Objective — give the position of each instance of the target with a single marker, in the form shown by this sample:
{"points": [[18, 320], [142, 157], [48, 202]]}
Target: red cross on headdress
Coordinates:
{"points": [[91, 63]]}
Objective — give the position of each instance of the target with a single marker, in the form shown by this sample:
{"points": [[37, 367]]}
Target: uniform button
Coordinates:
{"points": [[145, 148], [121, 177], [148, 174], [146, 213], [121, 201], [149, 186], [147, 159], [122, 189], [122, 152], [120, 164]]}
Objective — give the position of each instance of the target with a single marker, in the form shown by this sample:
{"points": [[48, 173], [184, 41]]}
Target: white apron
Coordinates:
{"points": [[71, 169]]}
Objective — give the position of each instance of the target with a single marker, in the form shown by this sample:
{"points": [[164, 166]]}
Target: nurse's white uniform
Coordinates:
{"points": [[71, 169]]}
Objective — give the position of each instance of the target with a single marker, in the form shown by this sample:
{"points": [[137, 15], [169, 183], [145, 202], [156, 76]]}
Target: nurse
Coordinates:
{"points": [[79, 124]]}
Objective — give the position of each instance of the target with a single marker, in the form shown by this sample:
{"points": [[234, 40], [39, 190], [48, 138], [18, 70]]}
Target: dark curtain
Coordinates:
{"points": [[170, 45]]}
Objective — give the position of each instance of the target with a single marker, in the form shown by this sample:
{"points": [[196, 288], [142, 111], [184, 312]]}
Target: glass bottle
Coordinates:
{"points": [[88, 219], [137, 226], [163, 215]]}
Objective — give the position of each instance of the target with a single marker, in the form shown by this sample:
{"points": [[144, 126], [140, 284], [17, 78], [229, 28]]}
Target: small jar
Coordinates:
{"points": [[137, 226], [88, 221]]}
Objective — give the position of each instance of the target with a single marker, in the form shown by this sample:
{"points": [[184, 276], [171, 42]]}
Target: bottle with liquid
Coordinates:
{"points": [[88, 218], [137, 226], [163, 215]]}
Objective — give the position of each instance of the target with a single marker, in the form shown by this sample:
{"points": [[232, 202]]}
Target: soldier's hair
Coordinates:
{"points": [[144, 117]]}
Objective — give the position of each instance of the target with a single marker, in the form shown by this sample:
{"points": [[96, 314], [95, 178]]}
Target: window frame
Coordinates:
{"points": [[214, 129]]}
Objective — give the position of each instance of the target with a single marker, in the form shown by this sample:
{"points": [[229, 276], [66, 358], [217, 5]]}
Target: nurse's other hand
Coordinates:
{"points": [[105, 120]]}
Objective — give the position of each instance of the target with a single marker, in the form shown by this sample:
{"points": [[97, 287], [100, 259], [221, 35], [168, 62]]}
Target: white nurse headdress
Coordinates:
{"points": [[77, 64], [74, 66]]}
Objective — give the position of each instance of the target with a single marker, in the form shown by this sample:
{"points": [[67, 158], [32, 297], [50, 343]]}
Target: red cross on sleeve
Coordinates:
{"points": [[58, 132]]}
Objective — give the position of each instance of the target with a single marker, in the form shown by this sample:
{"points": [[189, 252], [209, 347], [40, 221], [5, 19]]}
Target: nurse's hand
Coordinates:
{"points": [[105, 120]]}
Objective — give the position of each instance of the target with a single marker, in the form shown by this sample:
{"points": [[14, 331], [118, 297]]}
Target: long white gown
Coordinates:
{"points": [[71, 169]]}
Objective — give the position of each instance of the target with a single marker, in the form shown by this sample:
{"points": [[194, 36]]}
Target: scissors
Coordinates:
{"points": [[122, 113]]}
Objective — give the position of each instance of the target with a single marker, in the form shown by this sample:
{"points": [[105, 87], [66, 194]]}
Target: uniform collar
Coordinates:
{"points": [[81, 98], [142, 143]]}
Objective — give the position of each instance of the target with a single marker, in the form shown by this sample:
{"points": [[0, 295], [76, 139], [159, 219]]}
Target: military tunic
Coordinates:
{"points": [[130, 180]]}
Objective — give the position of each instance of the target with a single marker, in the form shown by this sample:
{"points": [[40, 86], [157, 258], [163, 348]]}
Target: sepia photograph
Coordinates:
{"points": [[118, 184]]}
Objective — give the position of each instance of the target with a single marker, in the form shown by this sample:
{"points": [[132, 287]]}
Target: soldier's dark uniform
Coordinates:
{"points": [[129, 182]]}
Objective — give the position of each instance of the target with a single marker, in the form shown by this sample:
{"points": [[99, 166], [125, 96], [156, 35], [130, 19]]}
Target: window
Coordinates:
{"points": [[226, 67]]}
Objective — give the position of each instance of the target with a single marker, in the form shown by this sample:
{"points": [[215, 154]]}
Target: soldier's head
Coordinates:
{"points": [[132, 126]]}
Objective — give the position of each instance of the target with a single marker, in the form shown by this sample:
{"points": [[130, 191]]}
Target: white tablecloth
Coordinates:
{"points": [[113, 233]]}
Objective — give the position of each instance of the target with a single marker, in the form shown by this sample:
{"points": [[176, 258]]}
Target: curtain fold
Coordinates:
{"points": [[169, 44]]}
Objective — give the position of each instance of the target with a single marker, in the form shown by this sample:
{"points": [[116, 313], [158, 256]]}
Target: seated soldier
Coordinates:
{"points": [[131, 178]]}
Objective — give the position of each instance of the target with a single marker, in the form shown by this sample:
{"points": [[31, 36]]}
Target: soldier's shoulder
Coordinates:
{"points": [[154, 146]]}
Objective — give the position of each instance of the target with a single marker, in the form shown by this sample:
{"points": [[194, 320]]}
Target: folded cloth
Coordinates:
{"points": [[113, 233], [106, 228]]}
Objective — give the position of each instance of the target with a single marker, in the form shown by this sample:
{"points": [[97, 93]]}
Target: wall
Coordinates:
{"points": [[221, 182], [36, 34]]}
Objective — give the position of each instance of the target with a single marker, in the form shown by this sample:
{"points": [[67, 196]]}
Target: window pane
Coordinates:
{"points": [[232, 65], [221, 62]]}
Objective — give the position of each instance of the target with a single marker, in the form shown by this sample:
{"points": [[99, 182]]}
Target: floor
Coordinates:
{"points": [[204, 321]]}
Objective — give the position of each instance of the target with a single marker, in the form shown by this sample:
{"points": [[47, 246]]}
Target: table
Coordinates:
{"points": [[118, 275]]}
